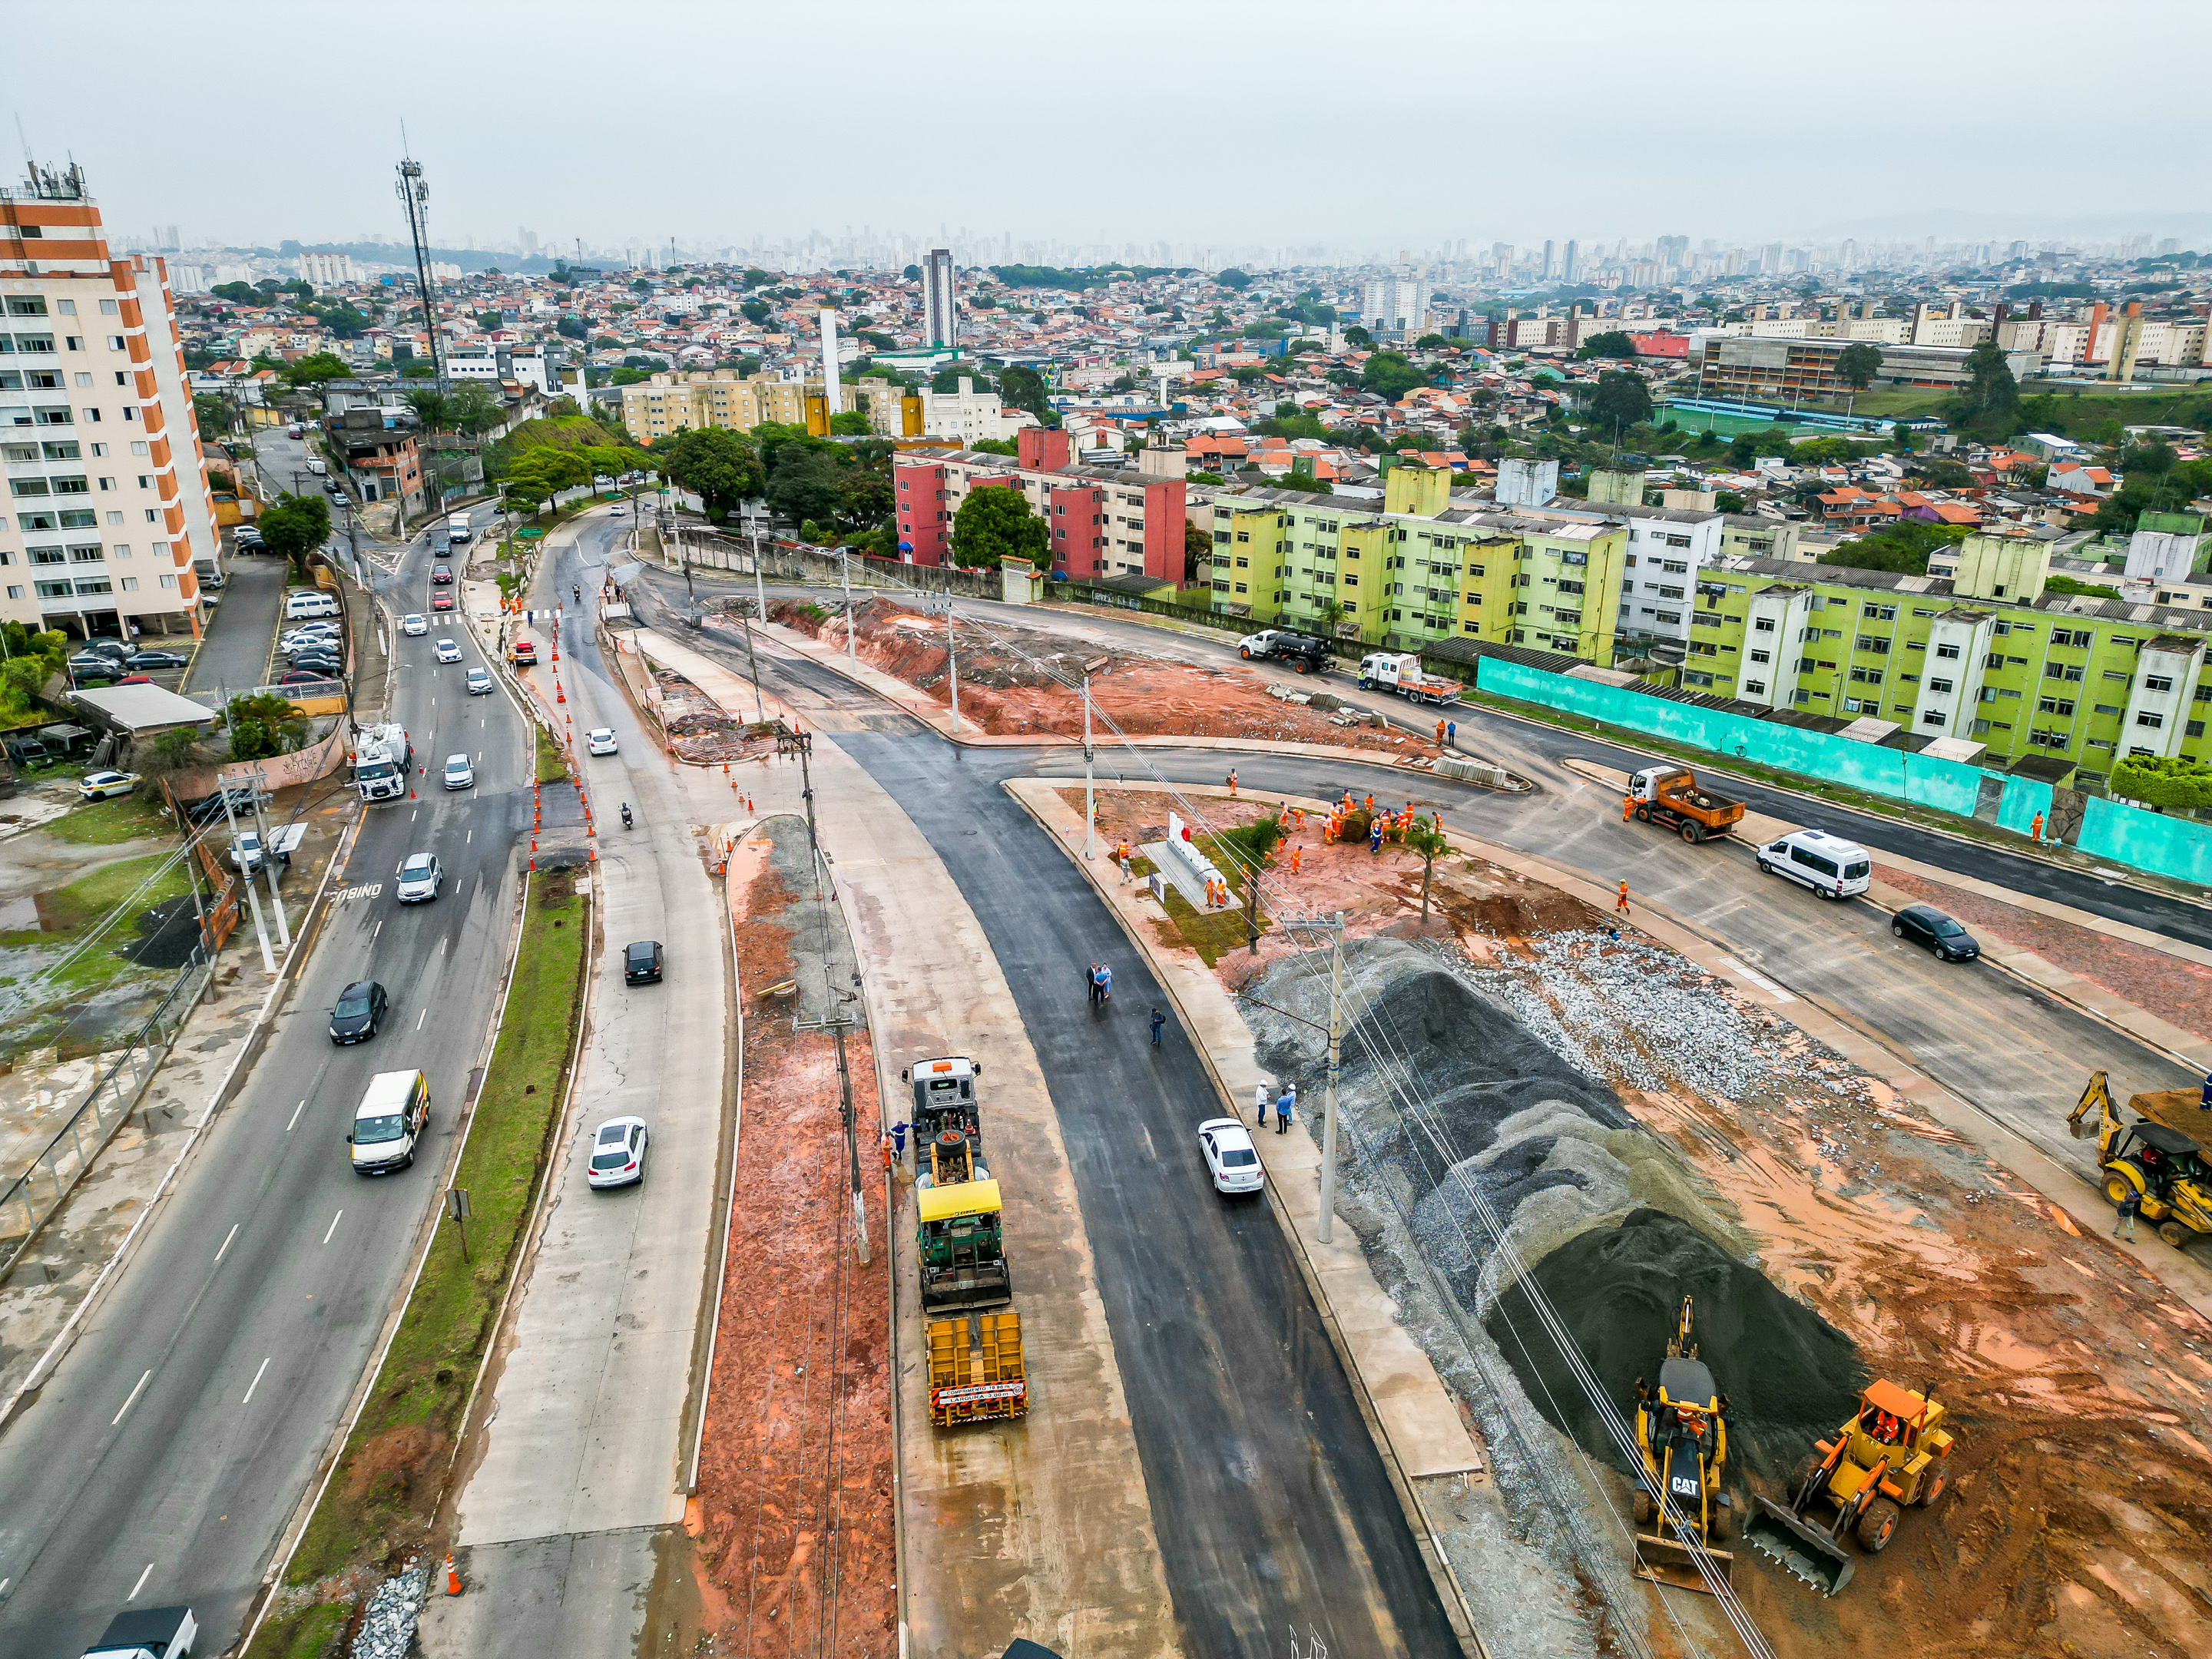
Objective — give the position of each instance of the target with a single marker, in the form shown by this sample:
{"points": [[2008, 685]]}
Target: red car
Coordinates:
{"points": [[442, 572], [441, 600], [301, 677]]}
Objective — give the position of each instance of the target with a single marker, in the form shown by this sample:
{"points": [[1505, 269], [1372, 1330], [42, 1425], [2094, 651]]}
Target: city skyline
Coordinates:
{"points": [[1522, 145]]}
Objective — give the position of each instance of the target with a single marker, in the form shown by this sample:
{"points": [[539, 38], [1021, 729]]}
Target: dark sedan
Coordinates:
{"points": [[359, 1011], [1925, 924], [157, 659], [641, 962]]}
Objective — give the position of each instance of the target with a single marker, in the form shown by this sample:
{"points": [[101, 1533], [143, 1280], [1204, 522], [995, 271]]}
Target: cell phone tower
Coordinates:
{"points": [[414, 196]]}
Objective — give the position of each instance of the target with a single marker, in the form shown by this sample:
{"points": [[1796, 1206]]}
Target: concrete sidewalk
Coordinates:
{"points": [[1042, 1527], [1757, 830]]}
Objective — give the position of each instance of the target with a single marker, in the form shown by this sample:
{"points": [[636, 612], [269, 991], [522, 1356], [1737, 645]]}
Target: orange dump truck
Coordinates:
{"points": [[1669, 795]]}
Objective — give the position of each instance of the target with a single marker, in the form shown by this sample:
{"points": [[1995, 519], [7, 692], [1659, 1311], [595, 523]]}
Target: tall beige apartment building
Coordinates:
{"points": [[107, 500], [689, 401]]}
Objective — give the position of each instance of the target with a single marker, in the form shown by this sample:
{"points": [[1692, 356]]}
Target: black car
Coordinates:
{"points": [[641, 962], [143, 660], [1923, 924], [207, 808], [359, 1011]]}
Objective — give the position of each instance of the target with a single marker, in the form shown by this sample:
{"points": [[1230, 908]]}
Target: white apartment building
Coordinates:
{"points": [[966, 414], [326, 270], [940, 314], [1393, 306], [107, 500]]}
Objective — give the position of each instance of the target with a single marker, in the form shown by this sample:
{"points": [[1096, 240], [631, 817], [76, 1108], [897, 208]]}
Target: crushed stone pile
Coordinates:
{"points": [[1789, 1375], [387, 1627]]}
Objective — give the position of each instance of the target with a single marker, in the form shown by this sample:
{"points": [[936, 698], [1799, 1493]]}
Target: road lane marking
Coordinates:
{"points": [[443, 944], [141, 1584], [334, 1227], [227, 1237], [374, 930], [425, 1014], [466, 839], [296, 1110], [117, 1417], [254, 1384]]}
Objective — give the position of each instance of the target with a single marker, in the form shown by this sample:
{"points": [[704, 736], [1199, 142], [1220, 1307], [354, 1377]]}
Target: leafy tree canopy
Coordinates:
{"points": [[1614, 342], [1620, 399], [1901, 548], [264, 724], [2163, 784], [1235, 279], [994, 524], [1390, 375], [295, 527], [721, 467], [316, 368]]}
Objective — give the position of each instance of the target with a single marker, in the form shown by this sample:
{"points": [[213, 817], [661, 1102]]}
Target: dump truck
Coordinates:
{"points": [[380, 760], [963, 1258], [945, 1098], [1671, 796], [1682, 1507], [975, 1371], [2162, 1167], [1401, 672], [1891, 1454]]}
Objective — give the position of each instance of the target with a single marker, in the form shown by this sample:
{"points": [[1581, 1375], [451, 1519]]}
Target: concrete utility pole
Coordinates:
{"points": [[845, 573], [268, 865], [952, 662], [1089, 807], [252, 898], [1327, 1228]]}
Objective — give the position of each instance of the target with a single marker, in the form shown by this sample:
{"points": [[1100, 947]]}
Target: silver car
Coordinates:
{"points": [[459, 775], [420, 878]]}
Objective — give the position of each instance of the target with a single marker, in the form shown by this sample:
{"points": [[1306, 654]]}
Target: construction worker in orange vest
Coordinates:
{"points": [[1371, 804], [1297, 859], [1621, 902], [2035, 829], [1627, 807]]}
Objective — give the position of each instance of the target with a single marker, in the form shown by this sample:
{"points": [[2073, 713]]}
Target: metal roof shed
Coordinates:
{"points": [[139, 708]]}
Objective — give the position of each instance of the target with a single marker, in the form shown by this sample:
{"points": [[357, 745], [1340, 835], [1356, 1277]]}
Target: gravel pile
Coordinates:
{"points": [[387, 1628]]}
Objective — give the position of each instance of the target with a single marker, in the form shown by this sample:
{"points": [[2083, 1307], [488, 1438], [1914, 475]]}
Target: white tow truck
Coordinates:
{"points": [[1401, 672]]}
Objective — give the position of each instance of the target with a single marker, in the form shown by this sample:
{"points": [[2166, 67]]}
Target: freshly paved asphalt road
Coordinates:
{"points": [[1273, 1510], [235, 651], [161, 1461]]}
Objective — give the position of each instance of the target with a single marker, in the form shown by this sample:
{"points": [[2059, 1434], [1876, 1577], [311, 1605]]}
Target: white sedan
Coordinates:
{"points": [[98, 785], [1231, 1158], [600, 740], [448, 651], [617, 1152], [411, 623]]}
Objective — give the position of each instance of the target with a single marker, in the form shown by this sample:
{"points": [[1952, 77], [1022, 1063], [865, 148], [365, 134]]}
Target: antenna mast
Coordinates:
{"points": [[414, 196]]}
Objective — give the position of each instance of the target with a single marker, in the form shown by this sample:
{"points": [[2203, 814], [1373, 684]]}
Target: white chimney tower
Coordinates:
{"points": [[829, 389]]}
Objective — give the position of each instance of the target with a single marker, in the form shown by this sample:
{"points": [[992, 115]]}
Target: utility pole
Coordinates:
{"points": [[1089, 806], [252, 898], [269, 865], [845, 574], [752, 666], [801, 744], [952, 661], [1328, 1101]]}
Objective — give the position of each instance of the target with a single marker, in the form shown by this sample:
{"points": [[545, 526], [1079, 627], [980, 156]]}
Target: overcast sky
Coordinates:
{"points": [[1362, 126]]}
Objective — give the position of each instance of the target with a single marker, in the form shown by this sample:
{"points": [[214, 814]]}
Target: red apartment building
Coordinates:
{"points": [[1103, 522]]}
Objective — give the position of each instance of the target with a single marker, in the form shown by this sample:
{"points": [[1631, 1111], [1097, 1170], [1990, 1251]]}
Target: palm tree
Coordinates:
{"points": [[1426, 842]]}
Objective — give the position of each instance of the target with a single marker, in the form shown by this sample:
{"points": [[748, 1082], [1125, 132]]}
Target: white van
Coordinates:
{"points": [[317, 465], [1831, 866], [457, 528], [309, 604], [392, 1116]]}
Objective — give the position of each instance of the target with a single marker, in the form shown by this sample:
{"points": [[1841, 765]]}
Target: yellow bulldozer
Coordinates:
{"points": [[2163, 1168], [1682, 1510], [1891, 1453]]}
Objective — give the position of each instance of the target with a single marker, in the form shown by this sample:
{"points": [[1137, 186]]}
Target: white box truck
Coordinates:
{"points": [[1401, 672], [457, 528]]}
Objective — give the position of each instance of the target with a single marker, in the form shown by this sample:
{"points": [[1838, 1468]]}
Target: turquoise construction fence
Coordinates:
{"points": [[2181, 847]]}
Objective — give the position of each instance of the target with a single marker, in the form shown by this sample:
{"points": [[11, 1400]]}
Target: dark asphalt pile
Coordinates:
{"points": [[168, 934], [1789, 1375]]}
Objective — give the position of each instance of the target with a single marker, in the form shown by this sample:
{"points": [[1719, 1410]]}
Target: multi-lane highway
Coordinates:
{"points": [[162, 1458]]}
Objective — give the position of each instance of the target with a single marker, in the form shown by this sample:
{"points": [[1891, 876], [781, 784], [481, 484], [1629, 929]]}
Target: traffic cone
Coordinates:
{"points": [[453, 1577], [559, 695], [533, 866]]}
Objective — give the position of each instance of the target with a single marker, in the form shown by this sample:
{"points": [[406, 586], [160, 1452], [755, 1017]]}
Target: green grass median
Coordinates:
{"points": [[380, 1502]]}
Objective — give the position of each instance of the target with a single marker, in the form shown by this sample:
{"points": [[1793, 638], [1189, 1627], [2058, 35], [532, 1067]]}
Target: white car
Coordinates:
{"points": [[245, 852], [1231, 1158], [98, 785], [459, 775], [449, 651], [617, 1152], [600, 740], [411, 623], [420, 878]]}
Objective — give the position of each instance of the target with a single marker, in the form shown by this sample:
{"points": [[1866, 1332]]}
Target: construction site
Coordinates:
{"points": [[1019, 681], [1622, 1204]]}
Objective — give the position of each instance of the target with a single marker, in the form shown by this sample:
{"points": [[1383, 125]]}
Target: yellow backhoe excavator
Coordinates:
{"points": [[1681, 1428], [2163, 1168]]}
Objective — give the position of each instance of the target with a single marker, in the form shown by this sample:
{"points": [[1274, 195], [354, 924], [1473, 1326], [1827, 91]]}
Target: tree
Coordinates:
{"points": [[1197, 551], [755, 277], [1620, 400], [948, 379], [431, 407], [475, 409], [295, 527], [213, 414], [1390, 375], [1023, 388], [264, 724], [1856, 365], [1727, 500], [488, 320], [1359, 336], [805, 482], [1990, 401], [849, 424], [2162, 784], [241, 294], [1430, 343], [721, 467], [1233, 278], [315, 367], [756, 311], [1612, 343], [1426, 842], [994, 524]]}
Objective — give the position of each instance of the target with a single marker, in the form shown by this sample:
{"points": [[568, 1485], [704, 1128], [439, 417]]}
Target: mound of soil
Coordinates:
{"points": [[1789, 1375]]}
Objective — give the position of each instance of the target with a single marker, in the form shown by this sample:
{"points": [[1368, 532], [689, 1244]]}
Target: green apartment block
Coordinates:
{"points": [[1985, 656], [1422, 569]]}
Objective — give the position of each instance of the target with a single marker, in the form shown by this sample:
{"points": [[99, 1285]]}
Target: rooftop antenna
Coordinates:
{"points": [[415, 196]]}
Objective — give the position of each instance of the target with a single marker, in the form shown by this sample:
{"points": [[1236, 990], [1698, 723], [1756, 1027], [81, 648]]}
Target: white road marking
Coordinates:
{"points": [[227, 1237], [296, 1110], [1752, 975], [333, 1227], [254, 1384], [412, 816], [443, 944], [469, 837], [141, 1584], [420, 1017], [374, 930], [117, 1417]]}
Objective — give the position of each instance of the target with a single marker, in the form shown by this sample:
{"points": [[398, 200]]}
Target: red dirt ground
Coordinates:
{"points": [[1006, 692], [2079, 1386], [793, 1524]]}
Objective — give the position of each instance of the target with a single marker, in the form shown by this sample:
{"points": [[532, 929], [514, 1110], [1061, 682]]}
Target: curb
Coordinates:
{"points": [[1457, 1611]]}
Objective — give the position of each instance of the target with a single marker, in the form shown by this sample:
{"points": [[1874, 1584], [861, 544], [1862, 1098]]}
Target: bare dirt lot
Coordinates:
{"points": [[1015, 681], [1634, 1119]]}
